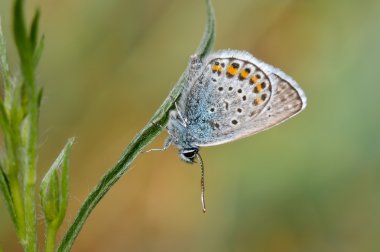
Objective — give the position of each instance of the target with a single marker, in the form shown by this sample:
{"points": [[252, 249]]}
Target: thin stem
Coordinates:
{"points": [[141, 140], [30, 216], [30, 158], [25, 49], [30, 171], [30, 174], [51, 234], [111, 177], [21, 106]]}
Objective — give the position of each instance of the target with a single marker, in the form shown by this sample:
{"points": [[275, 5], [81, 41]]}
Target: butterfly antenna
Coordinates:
{"points": [[202, 183]]}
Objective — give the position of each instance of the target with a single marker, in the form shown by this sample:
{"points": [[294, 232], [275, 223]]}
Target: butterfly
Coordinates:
{"points": [[229, 95]]}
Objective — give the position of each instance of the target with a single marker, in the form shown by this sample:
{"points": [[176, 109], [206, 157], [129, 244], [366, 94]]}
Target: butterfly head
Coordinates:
{"points": [[188, 155]]}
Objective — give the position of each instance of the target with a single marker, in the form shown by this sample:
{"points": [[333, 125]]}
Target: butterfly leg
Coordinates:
{"points": [[159, 125], [183, 120], [167, 143]]}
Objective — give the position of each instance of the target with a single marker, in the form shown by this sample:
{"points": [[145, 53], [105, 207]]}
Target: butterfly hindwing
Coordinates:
{"points": [[235, 95]]}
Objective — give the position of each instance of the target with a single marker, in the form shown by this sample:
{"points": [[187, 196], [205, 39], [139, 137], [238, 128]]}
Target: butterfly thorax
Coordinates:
{"points": [[180, 135]]}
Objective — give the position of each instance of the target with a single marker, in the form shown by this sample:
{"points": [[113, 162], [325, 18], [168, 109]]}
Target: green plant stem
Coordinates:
{"points": [[51, 234], [30, 179], [31, 153], [141, 140], [30, 216], [21, 129], [25, 50]]}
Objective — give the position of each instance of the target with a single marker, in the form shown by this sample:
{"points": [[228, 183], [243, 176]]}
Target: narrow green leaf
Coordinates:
{"points": [[4, 188], [4, 68], [50, 197], [208, 38], [54, 189], [6, 77], [17, 104], [34, 29], [65, 182], [24, 99], [19, 30], [38, 51], [4, 122], [24, 130], [141, 140], [40, 95]]}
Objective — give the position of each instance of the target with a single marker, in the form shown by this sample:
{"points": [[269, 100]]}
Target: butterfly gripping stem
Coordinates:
{"points": [[167, 143]]}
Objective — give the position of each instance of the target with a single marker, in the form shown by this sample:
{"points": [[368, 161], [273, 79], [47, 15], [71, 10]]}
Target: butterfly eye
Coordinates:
{"points": [[189, 154]]}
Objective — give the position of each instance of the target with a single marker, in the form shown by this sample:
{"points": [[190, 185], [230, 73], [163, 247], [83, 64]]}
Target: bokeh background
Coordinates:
{"points": [[309, 185]]}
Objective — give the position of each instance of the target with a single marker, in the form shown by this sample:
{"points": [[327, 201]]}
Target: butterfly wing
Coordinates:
{"points": [[237, 95]]}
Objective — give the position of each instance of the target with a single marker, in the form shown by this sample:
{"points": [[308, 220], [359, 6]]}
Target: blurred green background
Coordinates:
{"points": [[311, 184]]}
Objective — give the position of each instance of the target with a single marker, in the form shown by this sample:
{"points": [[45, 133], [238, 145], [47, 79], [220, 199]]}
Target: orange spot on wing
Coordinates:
{"points": [[219, 70], [215, 68], [244, 74], [231, 70], [254, 79], [259, 88]]}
